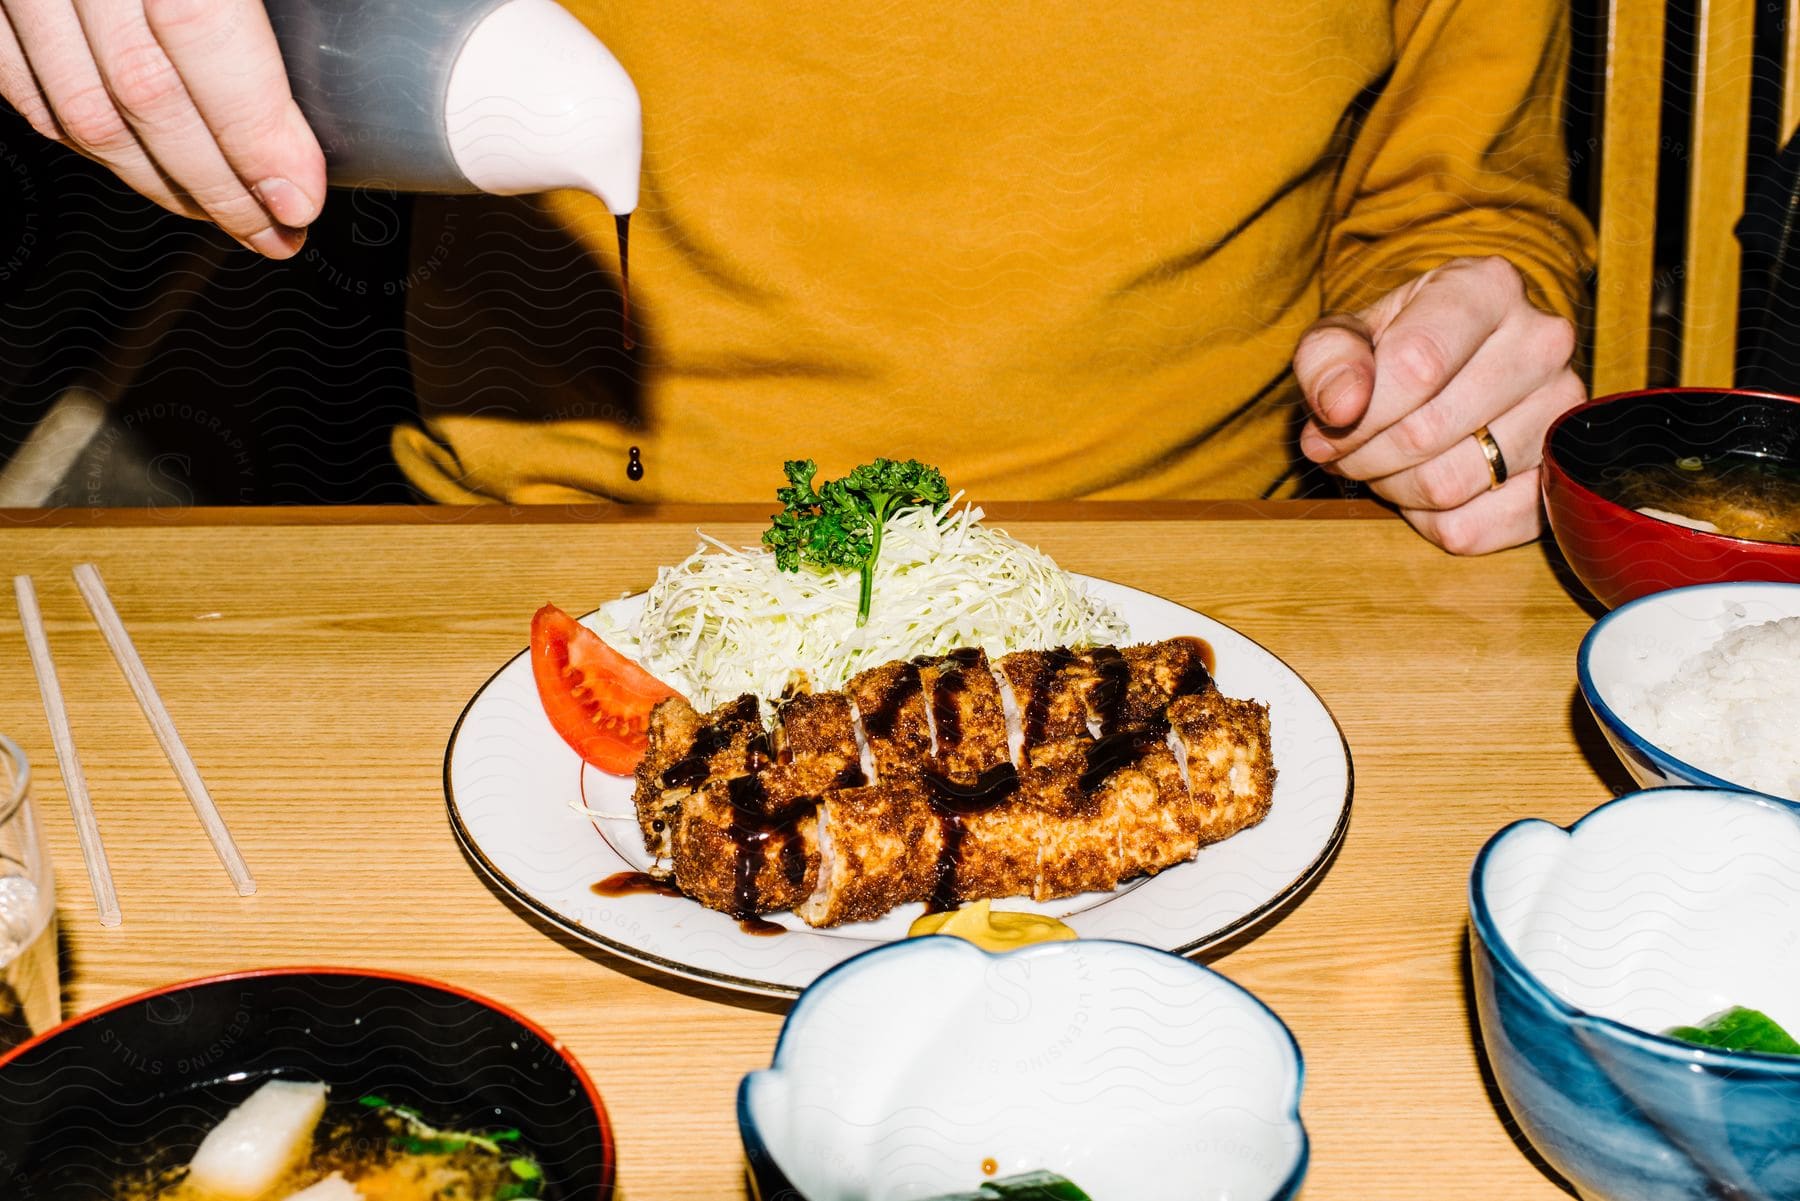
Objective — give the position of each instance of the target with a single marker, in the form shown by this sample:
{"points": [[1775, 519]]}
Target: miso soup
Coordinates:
{"points": [[362, 1149], [1743, 496]]}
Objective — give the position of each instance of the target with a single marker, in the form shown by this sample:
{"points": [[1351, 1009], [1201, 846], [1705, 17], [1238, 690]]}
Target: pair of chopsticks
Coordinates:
{"points": [[87, 826]]}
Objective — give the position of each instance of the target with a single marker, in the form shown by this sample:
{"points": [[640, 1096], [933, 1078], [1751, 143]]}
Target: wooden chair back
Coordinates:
{"points": [[1717, 149]]}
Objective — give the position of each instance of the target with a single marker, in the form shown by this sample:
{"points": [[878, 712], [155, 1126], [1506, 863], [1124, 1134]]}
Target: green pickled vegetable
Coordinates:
{"points": [[1738, 1029], [1031, 1186]]}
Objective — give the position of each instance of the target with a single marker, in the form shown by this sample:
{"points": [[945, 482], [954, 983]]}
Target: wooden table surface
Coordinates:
{"points": [[315, 661]]}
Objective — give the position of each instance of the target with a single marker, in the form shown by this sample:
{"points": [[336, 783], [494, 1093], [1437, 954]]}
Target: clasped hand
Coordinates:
{"points": [[1396, 392]]}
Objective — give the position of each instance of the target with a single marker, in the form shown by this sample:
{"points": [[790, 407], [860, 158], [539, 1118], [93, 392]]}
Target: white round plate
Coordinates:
{"points": [[509, 780]]}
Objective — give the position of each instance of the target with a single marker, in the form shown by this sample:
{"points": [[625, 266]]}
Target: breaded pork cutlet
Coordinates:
{"points": [[890, 703], [1049, 696], [815, 748], [878, 849], [1046, 774], [734, 852], [968, 722], [671, 729], [1114, 808], [1225, 747], [1159, 672], [685, 752]]}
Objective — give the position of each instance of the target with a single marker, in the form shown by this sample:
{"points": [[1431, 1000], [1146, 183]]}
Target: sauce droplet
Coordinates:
{"points": [[634, 468], [989, 1166], [622, 223]]}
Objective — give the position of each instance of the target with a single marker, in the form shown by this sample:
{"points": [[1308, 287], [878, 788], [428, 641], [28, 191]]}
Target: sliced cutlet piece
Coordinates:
{"points": [[734, 852], [878, 849], [1224, 745], [1160, 672], [968, 722], [991, 838], [1049, 693], [1138, 781], [815, 746], [673, 724], [890, 700], [1115, 808], [1078, 848], [729, 741], [990, 834]]}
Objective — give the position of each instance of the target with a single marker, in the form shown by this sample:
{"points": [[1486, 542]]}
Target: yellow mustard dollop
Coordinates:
{"points": [[1002, 931]]}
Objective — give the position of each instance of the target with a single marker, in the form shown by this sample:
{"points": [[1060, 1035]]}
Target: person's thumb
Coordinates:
{"points": [[1335, 366]]}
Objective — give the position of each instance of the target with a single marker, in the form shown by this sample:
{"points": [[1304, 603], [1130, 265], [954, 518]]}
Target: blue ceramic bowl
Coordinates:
{"points": [[1657, 909], [914, 1069], [1641, 644]]}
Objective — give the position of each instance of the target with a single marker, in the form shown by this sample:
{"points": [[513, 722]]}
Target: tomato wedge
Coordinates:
{"points": [[598, 700]]}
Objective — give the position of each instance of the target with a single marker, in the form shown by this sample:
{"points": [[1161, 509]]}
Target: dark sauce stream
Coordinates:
{"points": [[622, 222]]}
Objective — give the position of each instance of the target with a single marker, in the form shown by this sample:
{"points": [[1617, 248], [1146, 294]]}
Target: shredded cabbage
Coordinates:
{"points": [[726, 621]]}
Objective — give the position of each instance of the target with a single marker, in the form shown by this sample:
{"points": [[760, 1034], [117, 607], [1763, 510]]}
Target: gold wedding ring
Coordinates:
{"points": [[1490, 450]]}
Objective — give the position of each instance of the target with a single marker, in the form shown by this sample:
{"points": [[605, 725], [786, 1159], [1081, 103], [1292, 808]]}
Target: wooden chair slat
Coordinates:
{"points": [[1724, 63], [1630, 127]]}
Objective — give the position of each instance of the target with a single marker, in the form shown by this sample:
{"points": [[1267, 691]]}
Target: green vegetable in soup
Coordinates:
{"points": [[419, 1137], [838, 524], [1738, 1029], [1031, 1186]]}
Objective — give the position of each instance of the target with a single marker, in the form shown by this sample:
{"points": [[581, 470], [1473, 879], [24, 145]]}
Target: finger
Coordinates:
{"points": [[20, 88], [153, 100], [57, 52], [225, 52], [1493, 521], [1431, 338], [1461, 472], [1528, 351], [1334, 365]]}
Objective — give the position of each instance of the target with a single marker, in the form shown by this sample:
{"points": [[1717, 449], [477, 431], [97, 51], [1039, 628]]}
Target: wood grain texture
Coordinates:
{"points": [[1723, 66], [1631, 116], [315, 672]]}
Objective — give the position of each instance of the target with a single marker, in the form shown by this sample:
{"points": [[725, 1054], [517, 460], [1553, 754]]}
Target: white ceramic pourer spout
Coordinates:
{"points": [[503, 96]]}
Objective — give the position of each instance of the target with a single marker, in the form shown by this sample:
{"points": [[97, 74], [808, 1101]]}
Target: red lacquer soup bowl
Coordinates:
{"points": [[1620, 554]]}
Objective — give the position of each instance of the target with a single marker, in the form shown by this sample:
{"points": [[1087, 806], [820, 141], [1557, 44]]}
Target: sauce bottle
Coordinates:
{"points": [[501, 96]]}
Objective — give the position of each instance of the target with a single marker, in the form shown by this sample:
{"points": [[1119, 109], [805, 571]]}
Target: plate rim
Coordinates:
{"points": [[1268, 908]]}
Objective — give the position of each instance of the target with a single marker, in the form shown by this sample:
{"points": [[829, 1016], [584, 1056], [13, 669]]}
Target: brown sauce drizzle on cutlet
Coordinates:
{"points": [[944, 714], [1106, 699], [1117, 750], [695, 768], [1037, 713], [879, 721], [752, 830], [953, 803]]}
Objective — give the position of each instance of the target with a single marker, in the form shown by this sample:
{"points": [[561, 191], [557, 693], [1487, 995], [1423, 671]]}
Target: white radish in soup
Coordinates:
{"points": [[257, 1144]]}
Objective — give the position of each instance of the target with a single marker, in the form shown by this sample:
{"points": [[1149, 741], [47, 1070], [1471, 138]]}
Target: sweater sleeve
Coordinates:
{"points": [[1461, 152]]}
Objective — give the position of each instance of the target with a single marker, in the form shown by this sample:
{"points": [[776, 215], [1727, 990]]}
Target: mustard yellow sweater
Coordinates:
{"points": [[1057, 249]]}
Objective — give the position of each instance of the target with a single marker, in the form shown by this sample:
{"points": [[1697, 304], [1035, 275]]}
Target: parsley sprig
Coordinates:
{"points": [[838, 523]]}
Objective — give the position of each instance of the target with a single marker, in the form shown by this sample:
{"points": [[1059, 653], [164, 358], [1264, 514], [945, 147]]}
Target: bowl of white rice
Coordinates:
{"points": [[1701, 686]]}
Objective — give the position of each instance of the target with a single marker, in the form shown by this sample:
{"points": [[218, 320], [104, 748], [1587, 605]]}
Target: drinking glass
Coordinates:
{"points": [[30, 999]]}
